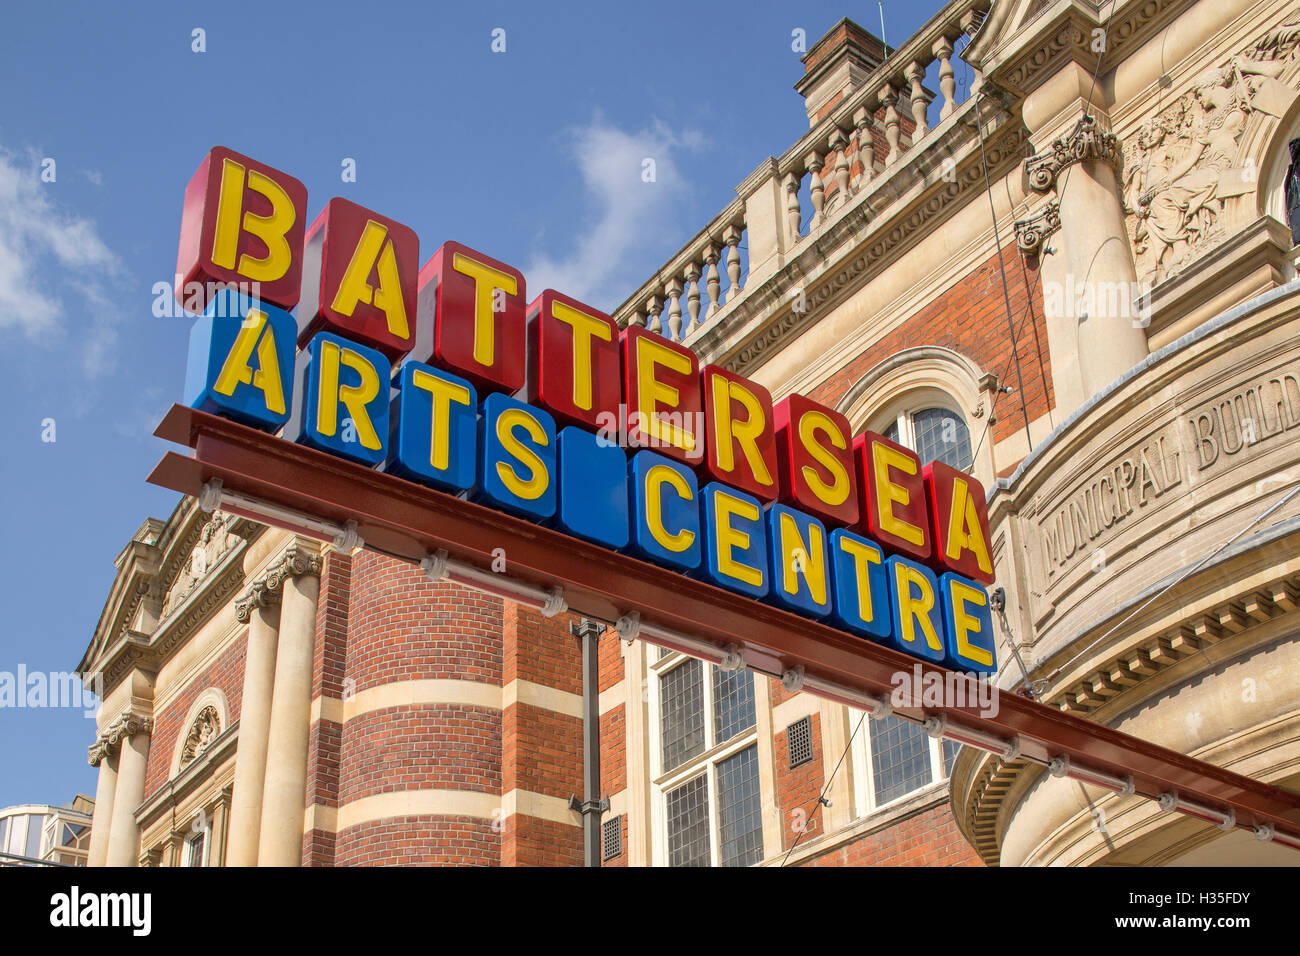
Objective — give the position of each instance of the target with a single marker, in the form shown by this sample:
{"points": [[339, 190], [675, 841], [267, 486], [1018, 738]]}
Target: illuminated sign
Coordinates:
{"points": [[447, 376]]}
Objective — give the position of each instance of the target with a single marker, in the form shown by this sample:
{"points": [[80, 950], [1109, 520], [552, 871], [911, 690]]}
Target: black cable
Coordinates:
{"points": [[822, 796]]}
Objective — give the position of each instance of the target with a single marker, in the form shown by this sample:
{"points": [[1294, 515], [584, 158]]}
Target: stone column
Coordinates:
{"points": [[285, 790], [105, 758], [259, 608], [1094, 329], [124, 833]]}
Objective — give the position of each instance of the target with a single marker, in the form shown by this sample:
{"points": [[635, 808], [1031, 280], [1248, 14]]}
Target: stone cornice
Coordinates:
{"points": [[1086, 141]]}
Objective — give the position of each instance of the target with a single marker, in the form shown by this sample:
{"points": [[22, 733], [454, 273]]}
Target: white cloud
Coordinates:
{"points": [[629, 223], [44, 250]]}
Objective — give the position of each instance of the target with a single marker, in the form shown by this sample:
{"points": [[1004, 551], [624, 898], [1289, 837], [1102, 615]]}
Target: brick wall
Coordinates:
{"points": [[226, 674], [797, 788], [970, 318], [927, 838]]}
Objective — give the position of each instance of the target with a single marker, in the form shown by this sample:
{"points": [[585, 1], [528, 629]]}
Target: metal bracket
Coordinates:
{"points": [[792, 680], [210, 495], [435, 565], [628, 627], [348, 540], [588, 806], [555, 603]]}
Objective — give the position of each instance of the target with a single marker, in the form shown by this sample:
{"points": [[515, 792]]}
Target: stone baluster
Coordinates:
{"points": [[792, 211], [865, 140], [947, 78], [636, 319], [731, 238], [673, 289], [816, 188], [653, 306], [970, 23], [692, 277], [714, 283], [840, 144], [893, 124], [915, 74]]}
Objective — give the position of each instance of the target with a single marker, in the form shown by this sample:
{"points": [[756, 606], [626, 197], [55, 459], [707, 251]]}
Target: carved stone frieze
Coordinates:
{"points": [[1086, 141], [205, 729], [1183, 166]]}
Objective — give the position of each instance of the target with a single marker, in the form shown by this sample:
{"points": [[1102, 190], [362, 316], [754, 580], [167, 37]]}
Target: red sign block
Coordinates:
{"points": [[573, 363], [661, 388], [242, 223], [815, 459], [359, 279], [472, 318], [740, 443], [961, 523], [892, 496]]}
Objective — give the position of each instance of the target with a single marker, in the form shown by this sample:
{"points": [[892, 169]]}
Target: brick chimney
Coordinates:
{"points": [[837, 65]]}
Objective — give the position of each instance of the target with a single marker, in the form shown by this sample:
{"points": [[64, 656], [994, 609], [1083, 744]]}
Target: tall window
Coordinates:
{"points": [[903, 758], [707, 768], [196, 848]]}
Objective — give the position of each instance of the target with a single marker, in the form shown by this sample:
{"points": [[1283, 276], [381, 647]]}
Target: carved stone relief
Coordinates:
{"points": [[205, 729], [215, 539]]}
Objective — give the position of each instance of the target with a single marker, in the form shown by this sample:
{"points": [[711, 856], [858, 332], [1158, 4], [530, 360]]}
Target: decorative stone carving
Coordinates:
{"points": [[265, 591], [110, 741], [1086, 141], [1033, 230], [214, 540], [1279, 44], [1183, 165], [205, 729]]}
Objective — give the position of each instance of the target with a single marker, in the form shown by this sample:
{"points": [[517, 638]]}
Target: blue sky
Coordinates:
{"points": [[532, 156]]}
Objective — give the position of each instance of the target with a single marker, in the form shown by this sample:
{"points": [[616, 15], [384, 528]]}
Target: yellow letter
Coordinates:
{"points": [[814, 564], [585, 327], [655, 478], [538, 480], [254, 331], [836, 492], [887, 492], [863, 558], [964, 624], [355, 286], [731, 538], [964, 532], [914, 608], [270, 229], [443, 393], [651, 392], [486, 281], [727, 431], [353, 397]]}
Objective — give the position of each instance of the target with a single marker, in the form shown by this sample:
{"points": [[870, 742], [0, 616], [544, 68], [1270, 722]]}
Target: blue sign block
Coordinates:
{"points": [[434, 434], [664, 498], [241, 361], [801, 571], [915, 609], [345, 399], [861, 586], [517, 458], [968, 625], [735, 544], [593, 488]]}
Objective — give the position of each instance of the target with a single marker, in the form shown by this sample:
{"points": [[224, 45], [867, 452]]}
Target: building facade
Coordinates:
{"points": [[33, 834], [1049, 243]]}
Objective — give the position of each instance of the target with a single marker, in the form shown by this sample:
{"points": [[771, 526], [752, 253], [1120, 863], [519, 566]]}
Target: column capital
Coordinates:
{"points": [[1087, 140], [1033, 230], [295, 561], [109, 742], [257, 595]]}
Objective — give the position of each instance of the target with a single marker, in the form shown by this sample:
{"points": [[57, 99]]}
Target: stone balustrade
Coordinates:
{"points": [[864, 136]]}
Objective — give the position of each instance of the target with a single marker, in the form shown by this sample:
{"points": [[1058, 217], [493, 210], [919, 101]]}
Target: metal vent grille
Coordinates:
{"points": [[612, 838], [799, 741]]}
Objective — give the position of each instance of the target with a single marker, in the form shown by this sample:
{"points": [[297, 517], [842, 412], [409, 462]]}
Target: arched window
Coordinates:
{"points": [[1292, 192], [935, 434]]}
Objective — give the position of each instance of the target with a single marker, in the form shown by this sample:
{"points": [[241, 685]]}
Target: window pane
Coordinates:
{"points": [[682, 723], [950, 750], [688, 824], [942, 436], [740, 811], [892, 431], [4, 834], [34, 829], [900, 758], [733, 703]]}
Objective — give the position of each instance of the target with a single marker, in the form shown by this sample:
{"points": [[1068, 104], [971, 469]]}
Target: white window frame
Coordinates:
{"points": [[187, 855], [864, 771], [706, 764]]}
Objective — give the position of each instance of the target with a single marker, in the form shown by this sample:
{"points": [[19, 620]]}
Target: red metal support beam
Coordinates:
{"points": [[408, 520]]}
